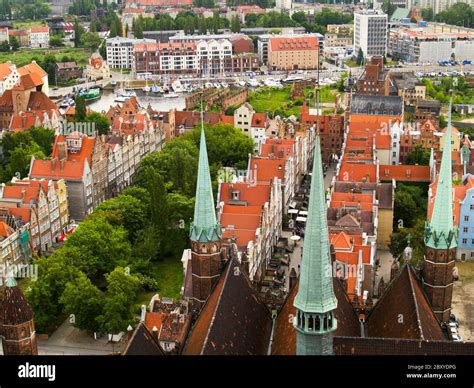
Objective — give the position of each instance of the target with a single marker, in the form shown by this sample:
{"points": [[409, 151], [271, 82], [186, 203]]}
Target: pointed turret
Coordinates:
{"points": [[440, 231], [205, 227], [440, 238], [17, 326], [315, 301], [205, 233]]}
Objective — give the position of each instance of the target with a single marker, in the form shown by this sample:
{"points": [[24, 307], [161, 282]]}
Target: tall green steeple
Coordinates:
{"points": [[315, 301], [204, 227], [440, 232]]}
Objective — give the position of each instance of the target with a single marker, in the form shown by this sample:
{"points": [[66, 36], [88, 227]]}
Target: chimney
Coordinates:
{"points": [[143, 313], [154, 333], [129, 332]]}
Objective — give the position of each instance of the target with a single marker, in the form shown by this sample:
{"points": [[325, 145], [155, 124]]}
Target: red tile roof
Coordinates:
{"points": [[294, 44], [354, 172], [267, 168], [404, 173]]}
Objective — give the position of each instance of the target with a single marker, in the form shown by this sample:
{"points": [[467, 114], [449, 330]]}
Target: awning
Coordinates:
{"points": [[293, 211], [300, 219], [293, 204], [303, 212]]}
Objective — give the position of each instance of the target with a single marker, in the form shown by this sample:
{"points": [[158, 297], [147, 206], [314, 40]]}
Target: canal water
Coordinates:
{"points": [[157, 102]]}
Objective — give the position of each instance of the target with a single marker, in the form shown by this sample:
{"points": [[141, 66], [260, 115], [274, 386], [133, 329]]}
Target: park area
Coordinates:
{"points": [[277, 101], [24, 56]]}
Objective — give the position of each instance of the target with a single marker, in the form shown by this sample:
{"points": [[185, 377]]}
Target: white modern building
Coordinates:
{"points": [[431, 43], [284, 4], [213, 56], [39, 37], [370, 32], [437, 5], [120, 51]]}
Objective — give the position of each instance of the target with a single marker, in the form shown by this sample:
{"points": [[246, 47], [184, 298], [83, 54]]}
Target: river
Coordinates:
{"points": [[157, 103]]}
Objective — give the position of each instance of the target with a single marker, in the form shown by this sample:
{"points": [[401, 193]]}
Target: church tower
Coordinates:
{"points": [[17, 326], [315, 301], [440, 238], [205, 233]]}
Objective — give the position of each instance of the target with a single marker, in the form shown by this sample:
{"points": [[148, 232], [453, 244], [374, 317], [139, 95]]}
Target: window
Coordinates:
{"points": [[465, 229], [464, 240], [466, 218]]}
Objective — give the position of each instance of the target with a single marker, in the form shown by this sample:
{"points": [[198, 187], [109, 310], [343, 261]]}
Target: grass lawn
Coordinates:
{"points": [[25, 24], [327, 93], [169, 276], [25, 56], [274, 99], [466, 271]]}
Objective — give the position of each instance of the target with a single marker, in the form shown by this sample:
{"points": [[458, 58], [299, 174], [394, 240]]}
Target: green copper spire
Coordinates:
{"points": [[315, 301], [11, 282], [315, 292], [204, 227], [440, 232]]}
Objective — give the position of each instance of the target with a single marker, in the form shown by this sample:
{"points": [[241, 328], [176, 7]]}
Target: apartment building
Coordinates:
{"points": [[431, 43], [370, 32], [166, 58], [120, 51], [39, 37], [293, 53]]}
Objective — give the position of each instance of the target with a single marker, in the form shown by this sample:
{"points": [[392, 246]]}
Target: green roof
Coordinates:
{"points": [[315, 291], [399, 13], [204, 227], [440, 232], [11, 282]]}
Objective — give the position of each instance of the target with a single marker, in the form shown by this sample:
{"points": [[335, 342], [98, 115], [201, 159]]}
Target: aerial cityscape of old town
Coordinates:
{"points": [[236, 177]]}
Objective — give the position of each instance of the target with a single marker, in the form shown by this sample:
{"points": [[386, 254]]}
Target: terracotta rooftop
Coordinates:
{"points": [[404, 297], [405, 173], [233, 321], [142, 343], [294, 44]]}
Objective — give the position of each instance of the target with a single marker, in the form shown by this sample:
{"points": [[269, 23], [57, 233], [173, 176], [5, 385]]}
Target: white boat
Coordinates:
{"points": [[254, 83], [121, 99], [177, 86], [155, 88], [217, 85], [224, 84], [241, 83], [208, 85], [146, 89], [170, 95]]}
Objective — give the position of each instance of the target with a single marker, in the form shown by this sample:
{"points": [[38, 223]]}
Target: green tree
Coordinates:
{"points": [[83, 302], [360, 57], [427, 14], [78, 31], [15, 45], [127, 211], [101, 123], [404, 208], [388, 7], [54, 272], [235, 24], [20, 159], [96, 247], [56, 41], [81, 110], [4, 46], [116, 314], [121, 281], [44, 137], [91, 40], [418, 155]]}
